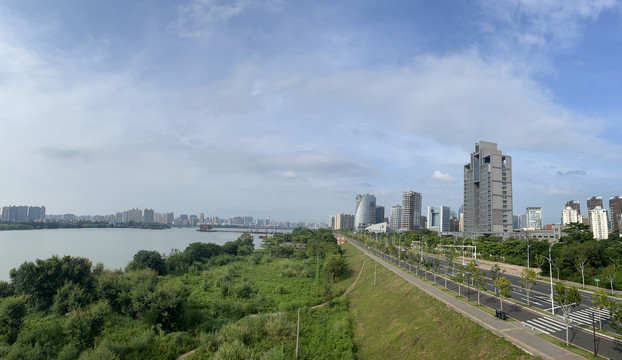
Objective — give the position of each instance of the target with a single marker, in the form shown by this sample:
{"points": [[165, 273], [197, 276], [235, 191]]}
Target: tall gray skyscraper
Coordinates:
{"points": [[396, 217], [411, 210], [365, 211], [488, 190]]}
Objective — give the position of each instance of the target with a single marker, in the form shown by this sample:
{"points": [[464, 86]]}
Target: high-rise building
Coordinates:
{"points": [[593, 202], [135, 215], [148, 216], [396, 217], [411, 210], [570, 215], [574, 204], [365, 211], [379, 214], [438, 218], [344, 222], [599, 223], [615, 212], [488, 190], [533, 216], [516, 222], [23, 213]]}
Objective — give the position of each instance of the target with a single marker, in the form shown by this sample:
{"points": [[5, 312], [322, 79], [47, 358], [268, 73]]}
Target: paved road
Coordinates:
{"points": [[548, 324]]}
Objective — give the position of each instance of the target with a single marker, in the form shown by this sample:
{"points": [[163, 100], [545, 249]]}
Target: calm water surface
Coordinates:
{"points": [[112, 247]]}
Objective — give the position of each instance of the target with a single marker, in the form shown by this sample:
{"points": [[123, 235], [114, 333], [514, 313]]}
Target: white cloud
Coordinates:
{"points": [[443, 177], [200, 17], [541, 25], [288, 175]]}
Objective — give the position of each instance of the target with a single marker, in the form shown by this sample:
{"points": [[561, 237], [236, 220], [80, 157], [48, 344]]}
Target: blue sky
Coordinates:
{"points": [[288, 109]]}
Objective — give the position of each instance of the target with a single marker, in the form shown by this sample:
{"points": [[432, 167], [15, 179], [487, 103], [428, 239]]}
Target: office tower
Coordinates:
{"points": [[574, 204], [488, 190], [438, 218], [533, 216], [396, 217], [516, 222], [411, 210], [379, 214], [615, 212], [599, 223], [570, 215], [593, 202], [331, 222], [365, 211]]}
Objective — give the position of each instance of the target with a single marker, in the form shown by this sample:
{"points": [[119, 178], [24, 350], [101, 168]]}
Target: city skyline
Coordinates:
{"points": [[201, 105]]}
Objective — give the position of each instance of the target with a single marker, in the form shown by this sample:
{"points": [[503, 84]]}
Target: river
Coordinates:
{"points": [[112, 247]]}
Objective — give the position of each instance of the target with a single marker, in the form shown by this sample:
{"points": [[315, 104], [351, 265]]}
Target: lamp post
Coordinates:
{"points": [[551, 277], [528, 246]]}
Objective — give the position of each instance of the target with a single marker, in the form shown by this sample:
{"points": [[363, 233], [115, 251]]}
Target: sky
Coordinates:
{"points": [[288, 109]]}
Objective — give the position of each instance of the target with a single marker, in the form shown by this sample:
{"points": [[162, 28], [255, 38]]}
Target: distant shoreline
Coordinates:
{"points": [[12, 226]]}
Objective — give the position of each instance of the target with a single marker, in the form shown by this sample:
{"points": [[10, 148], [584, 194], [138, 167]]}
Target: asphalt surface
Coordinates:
{"points": [[553, 325]]}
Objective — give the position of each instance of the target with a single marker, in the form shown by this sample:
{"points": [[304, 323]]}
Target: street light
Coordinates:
{"points": [[551, 276], [528, 246]]}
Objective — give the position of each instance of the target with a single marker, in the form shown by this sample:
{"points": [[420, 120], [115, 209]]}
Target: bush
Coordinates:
{"points": [[148, 259]]}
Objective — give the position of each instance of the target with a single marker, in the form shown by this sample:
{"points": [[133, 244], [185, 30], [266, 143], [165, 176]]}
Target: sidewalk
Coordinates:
{"points": [[520, 336]]}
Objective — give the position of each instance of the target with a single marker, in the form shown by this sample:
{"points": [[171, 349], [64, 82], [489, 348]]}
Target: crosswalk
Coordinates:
{"points": [[549, 325], [545, 325], [583, 317]]}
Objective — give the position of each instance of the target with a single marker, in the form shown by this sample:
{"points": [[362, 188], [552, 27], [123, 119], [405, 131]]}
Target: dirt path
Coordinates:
{"points": [[349, 288], [183, 356]]}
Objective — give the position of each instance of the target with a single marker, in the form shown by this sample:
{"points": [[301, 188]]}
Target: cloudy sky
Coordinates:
{"points": [[288, 109]]}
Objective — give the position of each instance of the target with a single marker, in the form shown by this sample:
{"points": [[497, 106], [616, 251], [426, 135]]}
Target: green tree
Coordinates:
{"points": [[459, 277], [436, 264], [558, 262], [83, 325], [449, 259], [527, 281], [12, 312], [69, 297], [471, 271], [610, 273], [44, 277], [600, 301], [495, 272], [503, 287], [479, 282], [567, 298], [334, 265], [580, 263], [615, 312], [577, 232], [148, 259]]}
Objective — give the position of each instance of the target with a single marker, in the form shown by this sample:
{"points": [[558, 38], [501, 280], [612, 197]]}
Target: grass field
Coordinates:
{"points": [[395, 320]]}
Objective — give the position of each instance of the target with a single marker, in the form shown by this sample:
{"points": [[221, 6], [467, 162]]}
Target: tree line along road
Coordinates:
{"points": [[544, 322]]}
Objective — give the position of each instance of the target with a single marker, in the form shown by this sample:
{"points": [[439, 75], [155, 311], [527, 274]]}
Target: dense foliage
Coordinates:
{"points": [[229, 301]]}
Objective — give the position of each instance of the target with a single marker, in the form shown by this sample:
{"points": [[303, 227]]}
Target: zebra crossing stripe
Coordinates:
{"points": [[552, 326]]}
